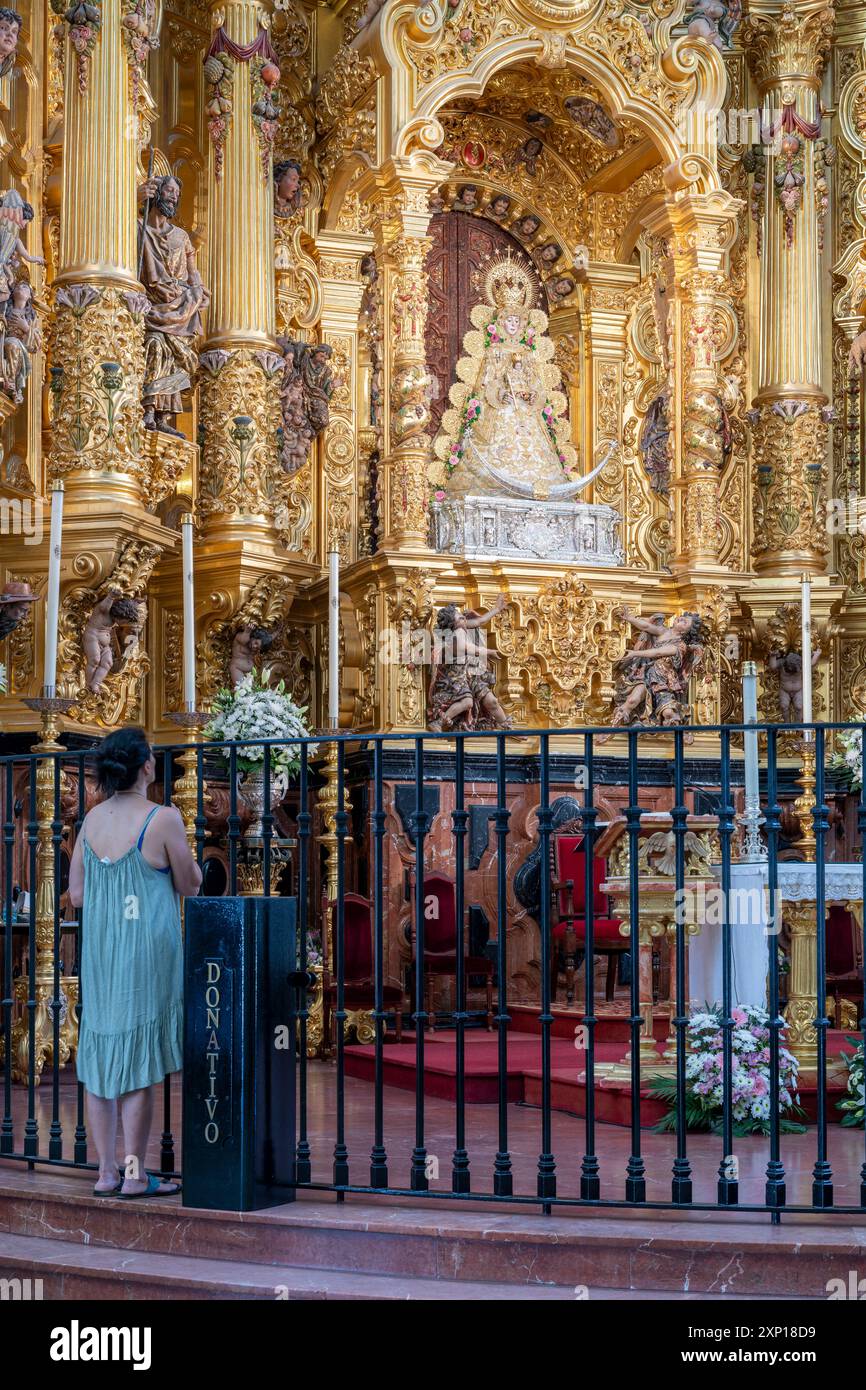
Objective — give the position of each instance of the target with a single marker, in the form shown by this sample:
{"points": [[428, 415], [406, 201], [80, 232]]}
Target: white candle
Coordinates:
{"points": [[750, 741], [52, 606], [188, 614], [333, 638], [806, 647]]}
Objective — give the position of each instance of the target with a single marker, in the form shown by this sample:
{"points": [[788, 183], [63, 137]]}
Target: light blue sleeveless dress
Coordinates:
{"points": [[131, 974]]}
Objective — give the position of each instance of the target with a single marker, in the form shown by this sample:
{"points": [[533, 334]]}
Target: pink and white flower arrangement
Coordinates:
{"points": [[751, 1098]]}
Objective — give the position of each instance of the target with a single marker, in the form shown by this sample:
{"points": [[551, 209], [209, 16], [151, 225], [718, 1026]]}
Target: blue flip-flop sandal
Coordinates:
{"points": [[152, 1190]]}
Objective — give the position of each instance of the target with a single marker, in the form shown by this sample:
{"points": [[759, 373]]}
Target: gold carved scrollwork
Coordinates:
{"points": [[118, 699], [410, 610], [348, 78], [240, 471], [716, 676], [853, 673], [365, 617], [172, 669], [790, 482], [462, 37], [97, 356], [559, 646]]}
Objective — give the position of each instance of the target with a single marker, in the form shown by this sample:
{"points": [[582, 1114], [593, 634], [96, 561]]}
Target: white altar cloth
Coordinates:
{"points": [[751, 926]]}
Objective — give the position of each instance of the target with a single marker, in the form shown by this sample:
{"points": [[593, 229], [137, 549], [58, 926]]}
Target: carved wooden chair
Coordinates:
{"points": [[440, 942], [568, 930], [359, 980], [844, 967]]}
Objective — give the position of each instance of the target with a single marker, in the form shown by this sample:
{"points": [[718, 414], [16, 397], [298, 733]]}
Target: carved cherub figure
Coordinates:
{"points": [[654, 675], [247, 643], [789, 666], [460, 694], [98, 637]]}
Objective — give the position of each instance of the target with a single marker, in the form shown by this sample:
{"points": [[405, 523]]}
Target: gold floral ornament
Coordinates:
{"points": [[501, 436]]}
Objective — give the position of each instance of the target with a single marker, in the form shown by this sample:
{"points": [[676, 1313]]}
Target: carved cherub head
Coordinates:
{"points": [[126, 610], [287, 185], [261, 640], [10, 32]]}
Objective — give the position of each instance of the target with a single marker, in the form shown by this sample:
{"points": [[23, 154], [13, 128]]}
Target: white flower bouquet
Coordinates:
{"points": [[855, 1094], [254, 709], [849, 756]]}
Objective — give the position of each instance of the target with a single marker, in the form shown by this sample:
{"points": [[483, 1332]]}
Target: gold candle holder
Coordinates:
{"points": [[49, 710], [186, 787], [806, 800], [318, 1035]]}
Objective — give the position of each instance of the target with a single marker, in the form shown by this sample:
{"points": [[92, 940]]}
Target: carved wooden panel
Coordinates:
{"points": [[461, 243]]}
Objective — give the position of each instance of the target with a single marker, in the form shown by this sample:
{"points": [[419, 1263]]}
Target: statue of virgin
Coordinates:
{"points": [[505, 435]]}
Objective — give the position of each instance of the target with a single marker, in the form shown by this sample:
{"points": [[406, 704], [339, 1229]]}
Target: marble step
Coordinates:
{"points": [[683, 1253], [70, 1271]]}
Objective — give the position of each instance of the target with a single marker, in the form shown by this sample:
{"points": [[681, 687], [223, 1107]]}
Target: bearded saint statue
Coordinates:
{"points": [[506, 435], [177, 296]]}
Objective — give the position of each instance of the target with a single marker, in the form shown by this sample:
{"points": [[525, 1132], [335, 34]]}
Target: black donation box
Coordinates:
{"points": [[239, 1053]]}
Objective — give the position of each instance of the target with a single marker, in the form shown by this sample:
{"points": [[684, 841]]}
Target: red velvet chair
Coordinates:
{"points": [[440, 942], [569, 924], [844, 965], [359, 985]]}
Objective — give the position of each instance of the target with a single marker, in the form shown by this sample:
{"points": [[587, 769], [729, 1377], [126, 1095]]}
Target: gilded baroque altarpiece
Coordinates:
{"points": [[339, 173]]}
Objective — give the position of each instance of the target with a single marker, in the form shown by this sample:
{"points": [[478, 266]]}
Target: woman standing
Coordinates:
{"points": [[131, 863]]}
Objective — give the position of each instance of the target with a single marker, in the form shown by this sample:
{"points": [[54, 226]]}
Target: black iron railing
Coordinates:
{"points": [[389, 847]]}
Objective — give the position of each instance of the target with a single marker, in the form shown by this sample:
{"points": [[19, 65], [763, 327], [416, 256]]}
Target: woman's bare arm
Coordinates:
{"points": [[76, 869], [185, 872]]}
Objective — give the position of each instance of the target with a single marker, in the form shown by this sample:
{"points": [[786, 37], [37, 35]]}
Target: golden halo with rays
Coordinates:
{"points": [[509, 283]]}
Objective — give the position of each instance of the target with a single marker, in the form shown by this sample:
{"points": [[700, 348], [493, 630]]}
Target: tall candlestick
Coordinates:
{"points": [[753, 849], [186, 523], [333, 638], [52, 606], [806, 646]]}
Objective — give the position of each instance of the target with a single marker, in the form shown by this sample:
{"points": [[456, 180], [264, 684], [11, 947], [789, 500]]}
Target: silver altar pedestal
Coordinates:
{"points": [[517, 528]]}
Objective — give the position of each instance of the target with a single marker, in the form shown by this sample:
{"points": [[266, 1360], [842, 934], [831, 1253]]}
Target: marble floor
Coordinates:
{"points": [[846, 1146]]}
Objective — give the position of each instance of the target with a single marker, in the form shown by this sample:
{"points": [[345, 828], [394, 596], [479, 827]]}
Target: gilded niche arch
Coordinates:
{"points": [[670, 87]]}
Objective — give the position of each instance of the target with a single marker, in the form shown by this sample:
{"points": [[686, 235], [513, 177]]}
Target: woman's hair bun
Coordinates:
{"points": [[119, 759]]}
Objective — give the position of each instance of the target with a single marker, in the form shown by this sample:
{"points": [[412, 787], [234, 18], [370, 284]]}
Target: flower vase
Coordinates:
{"points": [[251, 788]]}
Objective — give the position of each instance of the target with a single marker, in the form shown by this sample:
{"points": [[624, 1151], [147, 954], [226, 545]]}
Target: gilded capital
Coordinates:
{"points": [[789, 44]]}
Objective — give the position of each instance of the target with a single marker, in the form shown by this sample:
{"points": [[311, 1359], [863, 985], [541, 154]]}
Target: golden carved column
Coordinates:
{"points": [[698, 231], [402, 192], [339, 505], [96, 339], [240, 483], [787, 48]]}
